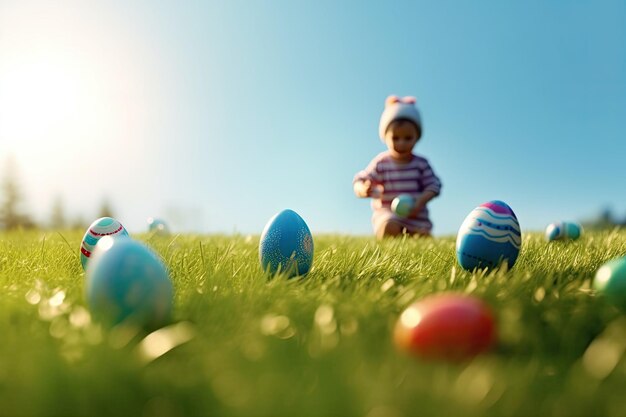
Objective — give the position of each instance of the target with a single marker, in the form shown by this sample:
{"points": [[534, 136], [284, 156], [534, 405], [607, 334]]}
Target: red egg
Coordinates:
{"points": [[447, 326]]}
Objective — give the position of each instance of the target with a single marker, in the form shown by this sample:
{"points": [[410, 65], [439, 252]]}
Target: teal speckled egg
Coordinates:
{"points": [[127, 282], [286, 245]]}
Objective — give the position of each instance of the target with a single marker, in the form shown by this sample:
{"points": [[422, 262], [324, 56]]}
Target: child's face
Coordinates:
{"points": [[401, 137]]}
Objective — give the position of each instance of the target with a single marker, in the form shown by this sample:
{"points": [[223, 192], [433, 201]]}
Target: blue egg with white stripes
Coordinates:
{"points": [[286, 245], [489, 236]]}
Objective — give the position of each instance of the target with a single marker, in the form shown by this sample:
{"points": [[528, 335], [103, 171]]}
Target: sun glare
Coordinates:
{"points": [[71, 89], [39, 97], [49, 81]]}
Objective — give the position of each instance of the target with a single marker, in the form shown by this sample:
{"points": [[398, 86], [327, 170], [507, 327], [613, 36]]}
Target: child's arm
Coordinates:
{"points": [[365, 181], [421, 202], [363, 188], [432, 188]]}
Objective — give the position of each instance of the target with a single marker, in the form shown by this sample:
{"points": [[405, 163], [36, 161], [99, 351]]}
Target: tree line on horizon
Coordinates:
{"points": [[605, 220], [14, 216]]}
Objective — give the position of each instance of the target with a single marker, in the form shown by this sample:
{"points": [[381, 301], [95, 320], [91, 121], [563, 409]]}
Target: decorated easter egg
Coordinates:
{"points": [[127, 282], [286, 245], [563, 231], [489, 235], [446, 326], [158, 226], [610, 281], [403, 204], [104, 226]]}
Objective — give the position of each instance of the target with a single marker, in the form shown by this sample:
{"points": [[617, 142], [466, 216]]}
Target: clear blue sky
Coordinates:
{"points": [[219, 114]]}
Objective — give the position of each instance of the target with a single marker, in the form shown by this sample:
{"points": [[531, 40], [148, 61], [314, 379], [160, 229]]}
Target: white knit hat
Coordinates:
{"points": [[398, 108]]}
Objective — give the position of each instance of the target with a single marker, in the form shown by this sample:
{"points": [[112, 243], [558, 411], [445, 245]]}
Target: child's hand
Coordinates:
{"points": [[417, 209], [364, 188], [420, 203]]}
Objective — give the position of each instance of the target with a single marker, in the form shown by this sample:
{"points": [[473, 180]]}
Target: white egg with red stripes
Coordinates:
{"points": [[104, 226]]}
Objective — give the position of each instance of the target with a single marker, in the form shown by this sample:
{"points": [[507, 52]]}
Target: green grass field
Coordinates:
{"points": [[322, 345]]}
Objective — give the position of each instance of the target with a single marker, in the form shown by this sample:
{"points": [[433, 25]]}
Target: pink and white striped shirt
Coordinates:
{"points": [[414, 178]]}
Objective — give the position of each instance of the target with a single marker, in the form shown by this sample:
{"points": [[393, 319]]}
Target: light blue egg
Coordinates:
{"points": [[610, 281], [573, 230], [104, 226], [286, 245], [158, 226], [403, 204], [489, 235], [563, 231], [555, 231], [127, 282]]}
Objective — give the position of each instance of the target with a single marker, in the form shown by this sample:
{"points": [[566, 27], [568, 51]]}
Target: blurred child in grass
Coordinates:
{"points": [[399, 171]]}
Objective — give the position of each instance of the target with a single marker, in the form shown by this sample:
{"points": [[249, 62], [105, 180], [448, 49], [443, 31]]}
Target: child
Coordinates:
{"points": [[398, 171]]}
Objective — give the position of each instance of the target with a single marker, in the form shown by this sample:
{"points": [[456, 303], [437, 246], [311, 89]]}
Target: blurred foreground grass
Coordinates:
{"points": [[242, 345]]}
